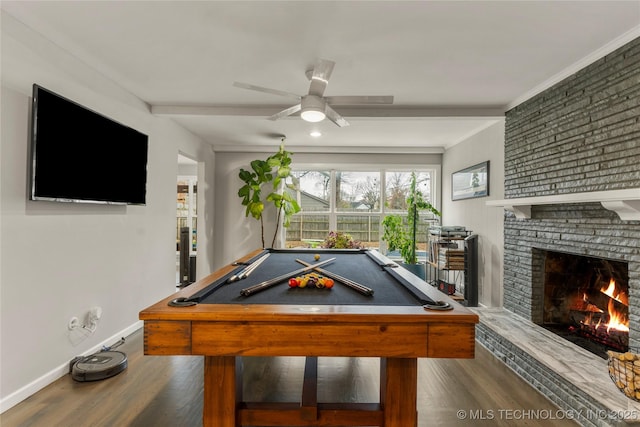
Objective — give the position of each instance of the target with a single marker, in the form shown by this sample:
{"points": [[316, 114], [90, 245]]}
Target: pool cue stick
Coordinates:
{"points": [[364, 290], [268, 283], [252, 268], [242, 274], [245, 272]]}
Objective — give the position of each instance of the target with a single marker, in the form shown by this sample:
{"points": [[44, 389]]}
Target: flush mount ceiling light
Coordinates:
{"points": [[315, 133], [313, 108]]}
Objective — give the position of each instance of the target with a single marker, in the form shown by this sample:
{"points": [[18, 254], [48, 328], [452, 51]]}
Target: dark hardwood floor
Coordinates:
{"points": [[159, 391]]}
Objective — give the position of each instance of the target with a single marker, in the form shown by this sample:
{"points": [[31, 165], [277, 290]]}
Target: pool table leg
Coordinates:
{"points": [[222, 390], [398, 391]]}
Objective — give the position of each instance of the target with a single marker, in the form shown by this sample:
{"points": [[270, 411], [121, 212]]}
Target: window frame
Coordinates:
{"points": [[333, 213]]}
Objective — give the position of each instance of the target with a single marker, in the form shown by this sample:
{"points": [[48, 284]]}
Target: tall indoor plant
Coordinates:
{"points": [[401, 235], [276, 170]]}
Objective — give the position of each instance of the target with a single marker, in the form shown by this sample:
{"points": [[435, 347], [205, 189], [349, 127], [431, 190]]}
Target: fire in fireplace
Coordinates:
{"points": [[586, 300]]}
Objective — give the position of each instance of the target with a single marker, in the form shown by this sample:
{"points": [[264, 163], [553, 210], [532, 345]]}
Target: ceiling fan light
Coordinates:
{"points": [[313, 115], [313, 108]]}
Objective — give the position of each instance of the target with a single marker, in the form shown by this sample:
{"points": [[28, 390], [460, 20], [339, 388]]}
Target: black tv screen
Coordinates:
{"points": [[79, 155]]}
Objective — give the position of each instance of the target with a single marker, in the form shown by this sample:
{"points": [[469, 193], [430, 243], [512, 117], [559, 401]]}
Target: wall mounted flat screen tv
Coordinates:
{"points": [[79, 155]]}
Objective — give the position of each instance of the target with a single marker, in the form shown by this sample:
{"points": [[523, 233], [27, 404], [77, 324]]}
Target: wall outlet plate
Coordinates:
{"points": [[74, 323]]}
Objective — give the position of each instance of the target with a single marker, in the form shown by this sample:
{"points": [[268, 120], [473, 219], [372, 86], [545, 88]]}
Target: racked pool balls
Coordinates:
{"points": [[311, 280]]}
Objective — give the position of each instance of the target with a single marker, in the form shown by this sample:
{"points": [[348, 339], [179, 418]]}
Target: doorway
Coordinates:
{"points": [[186, 221]]}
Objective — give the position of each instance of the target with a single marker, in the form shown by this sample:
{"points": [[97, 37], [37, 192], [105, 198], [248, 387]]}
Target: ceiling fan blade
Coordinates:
{"points": [[358, 100], [320, 76], [335, 117], [267, 90], [287, 112]]}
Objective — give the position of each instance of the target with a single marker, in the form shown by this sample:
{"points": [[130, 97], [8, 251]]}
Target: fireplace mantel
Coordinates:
{"points": [[626, 203]]}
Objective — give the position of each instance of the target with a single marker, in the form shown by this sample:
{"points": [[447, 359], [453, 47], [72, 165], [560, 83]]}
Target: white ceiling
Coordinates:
{"points": [[454, 67]]}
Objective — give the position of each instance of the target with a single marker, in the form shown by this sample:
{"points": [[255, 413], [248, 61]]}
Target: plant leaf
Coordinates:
{"points": [[256, 209]]}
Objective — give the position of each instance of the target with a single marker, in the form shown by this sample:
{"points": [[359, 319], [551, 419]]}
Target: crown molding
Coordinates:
{"points": [[577, 66]]}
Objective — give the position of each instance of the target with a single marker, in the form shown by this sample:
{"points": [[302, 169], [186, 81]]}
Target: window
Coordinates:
{"points": [[397, 187], [357, 191], [351, 201]]}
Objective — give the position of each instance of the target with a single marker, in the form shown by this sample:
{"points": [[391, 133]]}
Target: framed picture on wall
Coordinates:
{"points": [[470, 182]]}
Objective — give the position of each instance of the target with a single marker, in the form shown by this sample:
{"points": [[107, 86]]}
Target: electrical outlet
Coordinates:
{"points": [[74, 323]]}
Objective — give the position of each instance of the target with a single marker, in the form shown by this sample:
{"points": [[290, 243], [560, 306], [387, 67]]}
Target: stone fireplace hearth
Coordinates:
{"points": [[573, 378]]}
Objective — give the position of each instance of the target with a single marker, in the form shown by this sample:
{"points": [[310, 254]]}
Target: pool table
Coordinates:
{"points": [[385, 312]]}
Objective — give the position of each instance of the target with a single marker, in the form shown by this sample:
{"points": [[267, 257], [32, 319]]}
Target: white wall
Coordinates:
{"points": [[57, 260], [486, 222]]}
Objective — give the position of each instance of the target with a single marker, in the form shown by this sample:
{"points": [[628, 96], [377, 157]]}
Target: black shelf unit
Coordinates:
{"points": [[469, 267]]}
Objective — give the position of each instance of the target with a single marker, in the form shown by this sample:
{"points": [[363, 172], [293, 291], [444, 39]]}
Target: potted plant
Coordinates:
{"points": [[340, 240], [276, 169], [401, 234]]}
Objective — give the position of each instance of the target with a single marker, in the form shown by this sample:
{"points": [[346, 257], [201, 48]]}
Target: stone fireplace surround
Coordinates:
{"points": [[567, 144], [582, 229], [570, 376]]}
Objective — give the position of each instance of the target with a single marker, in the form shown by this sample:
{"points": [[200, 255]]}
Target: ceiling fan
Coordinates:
{"points": [[314, 107]]}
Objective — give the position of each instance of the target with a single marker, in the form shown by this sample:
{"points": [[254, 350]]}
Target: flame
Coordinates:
{"points": [[612, 291], [617, 320]]}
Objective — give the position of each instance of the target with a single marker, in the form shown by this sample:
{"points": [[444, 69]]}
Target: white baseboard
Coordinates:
{"points": [[30, 389]]}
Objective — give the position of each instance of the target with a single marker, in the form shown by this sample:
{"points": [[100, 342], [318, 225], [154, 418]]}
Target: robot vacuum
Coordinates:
{"points": [[98, 366]]}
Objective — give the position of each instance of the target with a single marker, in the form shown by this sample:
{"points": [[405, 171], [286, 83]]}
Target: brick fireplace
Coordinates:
{"points": [[579, 137]]}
